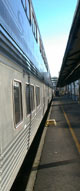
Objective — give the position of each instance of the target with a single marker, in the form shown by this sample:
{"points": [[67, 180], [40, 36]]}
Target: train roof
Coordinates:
{"points": [[70, 69]]}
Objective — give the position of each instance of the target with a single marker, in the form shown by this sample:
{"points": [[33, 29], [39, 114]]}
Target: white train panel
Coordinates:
{"points": [[35, 122], [12, 158], [16, 140]]}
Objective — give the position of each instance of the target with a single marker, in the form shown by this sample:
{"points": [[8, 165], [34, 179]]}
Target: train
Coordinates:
{"points": [[25, 85]]}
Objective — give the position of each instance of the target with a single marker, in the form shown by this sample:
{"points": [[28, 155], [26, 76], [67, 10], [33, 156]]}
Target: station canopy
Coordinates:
{"points": [[70, 69]]}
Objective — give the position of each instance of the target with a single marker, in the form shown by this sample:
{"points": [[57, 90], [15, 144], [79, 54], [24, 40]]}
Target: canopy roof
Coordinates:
{"points": [[70, 69]]}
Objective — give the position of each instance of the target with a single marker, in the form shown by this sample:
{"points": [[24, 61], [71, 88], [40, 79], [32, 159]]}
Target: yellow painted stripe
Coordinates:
{"points": [[72, 132]]}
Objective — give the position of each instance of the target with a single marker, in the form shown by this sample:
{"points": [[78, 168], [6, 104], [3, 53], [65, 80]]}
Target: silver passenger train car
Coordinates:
{"points": [[25, 85]]}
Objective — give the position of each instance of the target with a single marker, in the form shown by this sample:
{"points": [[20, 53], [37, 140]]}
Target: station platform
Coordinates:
{"points": [[59, 168]]}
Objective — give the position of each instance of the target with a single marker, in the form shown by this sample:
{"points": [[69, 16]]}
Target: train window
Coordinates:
{"points": [[28, 98], [37, 96], [23, 3], [32, 97], [18, 112], [27, 8], [33, 23], [40, 44], [37, 35]]}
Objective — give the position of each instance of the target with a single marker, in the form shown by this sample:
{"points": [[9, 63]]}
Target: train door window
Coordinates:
{"points": [[37, 96], [18, 111], [28, 98], [32, 97]]}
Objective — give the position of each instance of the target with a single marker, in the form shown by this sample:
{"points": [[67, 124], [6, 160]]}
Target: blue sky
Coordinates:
{"points": [[54, 19]]}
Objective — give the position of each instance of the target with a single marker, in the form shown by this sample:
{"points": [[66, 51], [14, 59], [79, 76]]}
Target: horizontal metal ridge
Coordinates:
{"points": [[12, 159]]}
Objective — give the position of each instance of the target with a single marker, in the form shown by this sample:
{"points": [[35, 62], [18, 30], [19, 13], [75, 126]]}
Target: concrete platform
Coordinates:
{"points": [[59, 168]]}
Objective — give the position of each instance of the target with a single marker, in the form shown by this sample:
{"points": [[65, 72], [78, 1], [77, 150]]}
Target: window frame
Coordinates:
{"points": [[16, 125]]}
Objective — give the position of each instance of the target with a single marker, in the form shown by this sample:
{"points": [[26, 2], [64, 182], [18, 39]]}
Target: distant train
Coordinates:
{"points": [[25, 85]]}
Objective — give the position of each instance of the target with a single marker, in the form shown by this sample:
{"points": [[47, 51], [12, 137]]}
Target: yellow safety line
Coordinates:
{"points": [[72, 132]]}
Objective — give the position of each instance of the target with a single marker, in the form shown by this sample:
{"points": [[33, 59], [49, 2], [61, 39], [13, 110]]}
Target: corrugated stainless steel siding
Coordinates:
{"points": [[12, 158]]}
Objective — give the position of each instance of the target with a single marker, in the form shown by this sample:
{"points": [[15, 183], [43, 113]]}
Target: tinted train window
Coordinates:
{"points": [[40, 45], [28, 98], [27, 8], [37, 96], [26, 5], [32, 97], [37, 35], [34, 25], [23, 2], [32, 19], [18, 112]]}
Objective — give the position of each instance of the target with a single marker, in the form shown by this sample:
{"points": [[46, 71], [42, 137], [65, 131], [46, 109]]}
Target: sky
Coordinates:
{"points": [[54, 19]]}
